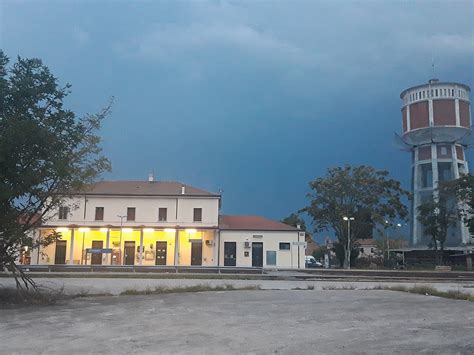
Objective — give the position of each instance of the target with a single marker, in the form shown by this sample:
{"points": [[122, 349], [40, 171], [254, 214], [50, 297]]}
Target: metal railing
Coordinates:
{"points": [[144, 269]]}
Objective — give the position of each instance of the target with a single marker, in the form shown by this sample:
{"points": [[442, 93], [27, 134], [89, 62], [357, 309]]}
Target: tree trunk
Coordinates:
{"points": [[441, 255], [347, 259]]}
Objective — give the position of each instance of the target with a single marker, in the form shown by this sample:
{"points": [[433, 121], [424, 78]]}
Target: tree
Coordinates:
{"points": [[361, 192], [340, 251], [45, 151], [438, 214], [463, 188], [294, 220], [320, 252], [385, 244]]}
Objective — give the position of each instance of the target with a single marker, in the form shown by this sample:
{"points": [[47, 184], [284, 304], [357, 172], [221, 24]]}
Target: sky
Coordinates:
{"points": [[256, 98]]}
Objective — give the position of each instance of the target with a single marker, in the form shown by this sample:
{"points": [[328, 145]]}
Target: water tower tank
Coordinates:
{"points": [[436, 121]]}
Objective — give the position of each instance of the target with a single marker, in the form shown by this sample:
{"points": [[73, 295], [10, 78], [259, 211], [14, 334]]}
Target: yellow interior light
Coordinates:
{"points": [[104, 230], [84, 229], [127, 230], [190, 231], [62, 229], [170, 230], [148, 230]]}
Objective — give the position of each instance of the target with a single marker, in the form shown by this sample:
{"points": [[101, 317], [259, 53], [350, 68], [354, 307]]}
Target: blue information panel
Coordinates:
{"points": [[98, 251]]}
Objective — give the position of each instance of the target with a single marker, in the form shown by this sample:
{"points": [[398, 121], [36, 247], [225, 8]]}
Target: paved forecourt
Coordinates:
{"points": [[244, 321]]}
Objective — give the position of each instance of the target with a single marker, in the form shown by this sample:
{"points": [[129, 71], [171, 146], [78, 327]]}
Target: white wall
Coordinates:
{"points": [[270, 240], [146, 211]]}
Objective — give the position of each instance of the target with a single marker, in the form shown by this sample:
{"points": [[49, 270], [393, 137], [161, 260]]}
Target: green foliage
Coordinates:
{"points": [[340, 251], [463, 188], [294, 220], [362, 192], [437, 215], [44, 149], [320, 252]]}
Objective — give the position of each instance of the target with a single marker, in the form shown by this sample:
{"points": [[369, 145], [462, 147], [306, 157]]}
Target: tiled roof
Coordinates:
{"points": [[144, 188], [227, 222], [366, 242]]}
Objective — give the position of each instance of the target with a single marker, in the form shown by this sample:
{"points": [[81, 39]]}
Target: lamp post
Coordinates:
{"points": [[348, 251], [120, 243], [398, 225]]}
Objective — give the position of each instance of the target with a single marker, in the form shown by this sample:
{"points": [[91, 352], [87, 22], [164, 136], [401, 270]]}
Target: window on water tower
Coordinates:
{"points": [[445, 172], [426, 175]]}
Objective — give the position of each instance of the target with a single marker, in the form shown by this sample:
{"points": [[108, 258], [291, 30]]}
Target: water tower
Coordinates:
{"points": [[436, 130]]}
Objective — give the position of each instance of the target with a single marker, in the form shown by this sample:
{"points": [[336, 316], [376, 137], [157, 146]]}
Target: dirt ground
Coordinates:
{"points": [[265, 321]]}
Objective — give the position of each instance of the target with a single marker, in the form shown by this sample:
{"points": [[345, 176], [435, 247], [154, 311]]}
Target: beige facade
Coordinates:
{"points": [[288, 248], [162, 224]]}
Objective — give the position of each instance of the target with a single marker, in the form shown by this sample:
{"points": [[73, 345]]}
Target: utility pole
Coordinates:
{"points": [[121, 228], [348, 250]]}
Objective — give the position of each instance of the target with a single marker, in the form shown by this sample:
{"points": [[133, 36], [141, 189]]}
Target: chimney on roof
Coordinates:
{"points": [[151, 177], [298, 226], [183, 190]]}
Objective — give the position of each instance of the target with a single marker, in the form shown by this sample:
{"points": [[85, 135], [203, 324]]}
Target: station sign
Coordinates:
{"points": [[99, 251]]}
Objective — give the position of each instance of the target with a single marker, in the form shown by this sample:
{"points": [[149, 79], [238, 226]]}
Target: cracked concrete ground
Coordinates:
{"points": [[269, 321]]}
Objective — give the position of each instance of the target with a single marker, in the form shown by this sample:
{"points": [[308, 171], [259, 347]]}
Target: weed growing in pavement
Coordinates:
{"points": [[197, 288]]}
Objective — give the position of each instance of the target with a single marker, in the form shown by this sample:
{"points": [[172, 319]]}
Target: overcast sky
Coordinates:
{"points": [[256, 98]]}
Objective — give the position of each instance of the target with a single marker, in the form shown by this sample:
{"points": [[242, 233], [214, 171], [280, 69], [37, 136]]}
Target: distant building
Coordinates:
{"points": [[159, 223], [436, 120], [311, 245], [367, 248]]}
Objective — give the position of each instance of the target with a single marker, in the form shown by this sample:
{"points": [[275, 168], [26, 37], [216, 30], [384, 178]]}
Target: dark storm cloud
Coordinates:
{"points": [[256, 98]]}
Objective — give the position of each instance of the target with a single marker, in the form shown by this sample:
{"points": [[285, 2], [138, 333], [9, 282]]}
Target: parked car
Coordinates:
{"points": [[311, 262]]}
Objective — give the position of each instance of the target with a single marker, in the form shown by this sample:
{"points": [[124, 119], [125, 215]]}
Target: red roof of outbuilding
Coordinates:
{"points": [[227, 222]]}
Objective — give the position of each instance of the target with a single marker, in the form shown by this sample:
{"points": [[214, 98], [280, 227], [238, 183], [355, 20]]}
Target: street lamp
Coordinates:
{"points": [[398, 225], [121, 227], [348, 251]]}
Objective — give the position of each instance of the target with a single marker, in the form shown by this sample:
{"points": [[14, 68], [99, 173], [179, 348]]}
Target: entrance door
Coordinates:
{"points": [[196, 253], [96, 259], [60, 254], [161, 248], [229, 254], [257, 254], [129, 253]]}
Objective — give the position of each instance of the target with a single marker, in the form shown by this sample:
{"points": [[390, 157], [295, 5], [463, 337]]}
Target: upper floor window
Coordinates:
{"points": [[99, 213], [162, 214], [130, 213], [63, 212], [284, 246], [197, 216]]}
